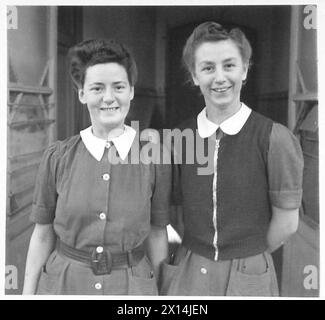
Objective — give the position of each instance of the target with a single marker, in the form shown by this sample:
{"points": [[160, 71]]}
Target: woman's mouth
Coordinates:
{"points": [[111, 109], [221, 90]]}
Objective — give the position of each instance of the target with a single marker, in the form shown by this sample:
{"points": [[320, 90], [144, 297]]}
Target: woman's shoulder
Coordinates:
{"points": [[281, 134], [60, 147]]}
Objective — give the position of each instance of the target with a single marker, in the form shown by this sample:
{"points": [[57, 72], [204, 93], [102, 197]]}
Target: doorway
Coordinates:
{"points": [[71, 115]]}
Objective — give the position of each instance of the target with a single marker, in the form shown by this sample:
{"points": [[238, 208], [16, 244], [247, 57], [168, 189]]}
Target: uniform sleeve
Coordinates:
{"points": [[285, 168], [161, 197], [45, 195]]}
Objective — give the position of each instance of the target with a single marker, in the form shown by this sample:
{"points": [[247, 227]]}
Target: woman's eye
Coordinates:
{"points": [[96, 89], [119, 88], [207, 68], [229, 66]]}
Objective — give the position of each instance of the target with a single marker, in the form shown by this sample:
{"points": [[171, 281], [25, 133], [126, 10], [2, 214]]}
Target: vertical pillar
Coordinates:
{"points": [[52, 58], [293, 58]]}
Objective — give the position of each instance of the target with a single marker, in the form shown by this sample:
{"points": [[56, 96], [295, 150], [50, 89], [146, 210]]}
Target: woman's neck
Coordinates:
{"points": [[106, 133], [218, 114]]}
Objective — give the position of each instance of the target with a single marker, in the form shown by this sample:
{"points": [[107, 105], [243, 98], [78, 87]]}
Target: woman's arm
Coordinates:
{"points": [[157, 247], [41, 245], [284, 223]]}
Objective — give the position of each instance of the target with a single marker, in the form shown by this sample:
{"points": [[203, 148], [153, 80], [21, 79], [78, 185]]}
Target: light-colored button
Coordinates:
{"points": [[106, 176], [98, 286], [204, 271], [102, 216], [107, 144], [99, 249]]}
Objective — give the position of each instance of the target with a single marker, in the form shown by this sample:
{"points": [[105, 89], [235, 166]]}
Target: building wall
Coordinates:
{"points": [[30, 121]]}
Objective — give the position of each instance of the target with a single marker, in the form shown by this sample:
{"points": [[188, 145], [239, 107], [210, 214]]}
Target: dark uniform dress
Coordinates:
{"points": [[93, 202], [231, 268]]}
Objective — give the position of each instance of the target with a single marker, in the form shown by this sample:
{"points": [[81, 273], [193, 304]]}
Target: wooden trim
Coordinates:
{"points": [[52, 67], [22, 191], [294, 44], [24, 206], [30, 122], [16, 171], [21, 156], [13, 104], [307, 96], [16, 87]]}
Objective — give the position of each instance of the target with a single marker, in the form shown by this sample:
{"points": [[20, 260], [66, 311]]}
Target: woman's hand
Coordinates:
{"points": [[41, 245], [284, 223], [157, 247]]}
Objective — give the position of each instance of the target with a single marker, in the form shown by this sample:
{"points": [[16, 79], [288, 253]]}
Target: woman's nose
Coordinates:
{"points": [[219, 76], [108, 96]]}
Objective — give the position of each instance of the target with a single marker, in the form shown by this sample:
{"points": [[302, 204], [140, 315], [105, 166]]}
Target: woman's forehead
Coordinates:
{"points": [[217, 50], [106, 71]]}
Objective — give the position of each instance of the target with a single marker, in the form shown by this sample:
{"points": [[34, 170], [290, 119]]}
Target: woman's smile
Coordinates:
{"points": [[110, 109], [221, 90]]}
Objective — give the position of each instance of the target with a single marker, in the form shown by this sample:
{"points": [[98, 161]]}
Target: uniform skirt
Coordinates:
{"points": [[64, 276], [191, 274]]}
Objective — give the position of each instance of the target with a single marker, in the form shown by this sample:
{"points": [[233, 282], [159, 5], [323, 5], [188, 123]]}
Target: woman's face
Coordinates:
{"points": [[107, 93], [219, 72]]}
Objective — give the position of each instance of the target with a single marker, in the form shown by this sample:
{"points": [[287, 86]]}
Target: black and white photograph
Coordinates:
{"points": [[162, 151]]}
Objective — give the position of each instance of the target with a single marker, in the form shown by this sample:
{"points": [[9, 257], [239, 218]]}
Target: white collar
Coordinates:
{"points": [[96, 146], [230, 126]]}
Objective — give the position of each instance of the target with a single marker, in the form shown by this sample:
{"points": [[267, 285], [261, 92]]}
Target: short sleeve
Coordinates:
{"points": [[285, 168], [161, 197], [45, 194]]}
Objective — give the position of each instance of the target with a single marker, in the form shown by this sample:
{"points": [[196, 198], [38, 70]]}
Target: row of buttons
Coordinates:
{"points": [[102, 216]]}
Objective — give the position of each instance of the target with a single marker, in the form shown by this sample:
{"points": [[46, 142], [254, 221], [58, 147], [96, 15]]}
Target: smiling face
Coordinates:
{"points": [[108, 94], [219, 72]]}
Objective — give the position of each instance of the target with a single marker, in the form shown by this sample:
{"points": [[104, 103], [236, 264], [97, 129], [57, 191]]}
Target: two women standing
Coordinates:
{"points": [[97, 212]]}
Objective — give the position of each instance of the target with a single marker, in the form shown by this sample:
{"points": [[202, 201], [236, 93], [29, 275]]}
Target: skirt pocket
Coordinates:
{"points": [[142, 280], [47, 283], [50, 275], [169, 269], [252, 279]]}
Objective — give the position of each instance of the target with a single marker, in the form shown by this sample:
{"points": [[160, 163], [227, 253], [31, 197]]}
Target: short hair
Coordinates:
{"points": [[96, 51], [213, 32]]}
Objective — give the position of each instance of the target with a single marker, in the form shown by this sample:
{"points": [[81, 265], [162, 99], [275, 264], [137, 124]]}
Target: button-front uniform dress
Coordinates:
{"points": [[98, 204], [256, 164]]}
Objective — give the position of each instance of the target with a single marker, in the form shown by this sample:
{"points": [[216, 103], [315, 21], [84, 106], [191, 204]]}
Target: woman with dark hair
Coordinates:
{"points": [[100, 224], [247, 207]]}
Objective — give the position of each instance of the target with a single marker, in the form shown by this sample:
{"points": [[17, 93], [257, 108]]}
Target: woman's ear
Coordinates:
{"points": [[196, 82], [132, 93], [244, 76], [81, 96]]}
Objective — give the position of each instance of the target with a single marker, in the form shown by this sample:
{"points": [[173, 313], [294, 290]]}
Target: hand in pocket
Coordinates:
{"points": [[254, 265]]}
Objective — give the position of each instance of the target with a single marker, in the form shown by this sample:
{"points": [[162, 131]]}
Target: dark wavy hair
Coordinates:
{"points": [[95, 51], [213, 32]]}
